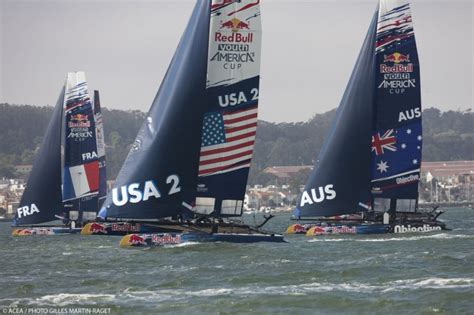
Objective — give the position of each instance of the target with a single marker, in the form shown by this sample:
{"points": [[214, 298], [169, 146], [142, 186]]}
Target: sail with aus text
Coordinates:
{"points": [[81, 161], [374, 146], [229, 126], [159, 176]]}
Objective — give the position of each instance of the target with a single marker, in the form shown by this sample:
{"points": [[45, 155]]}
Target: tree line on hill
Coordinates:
{"points": [[447, 136]]}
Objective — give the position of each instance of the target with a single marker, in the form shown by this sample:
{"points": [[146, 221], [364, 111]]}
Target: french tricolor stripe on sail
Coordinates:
{"points": [[83, 179], [227, 141]]}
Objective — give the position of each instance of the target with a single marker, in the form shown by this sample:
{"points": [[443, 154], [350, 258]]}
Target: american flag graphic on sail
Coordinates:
{"points": [[227, 141]]}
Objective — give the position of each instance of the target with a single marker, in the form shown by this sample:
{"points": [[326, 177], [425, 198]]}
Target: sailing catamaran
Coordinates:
{"points": [[69, 193], [188, 167], [370, 161]]}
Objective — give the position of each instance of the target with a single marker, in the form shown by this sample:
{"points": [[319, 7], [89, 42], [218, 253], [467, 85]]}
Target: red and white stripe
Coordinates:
{"points": [[240, 128], [85, 178]]}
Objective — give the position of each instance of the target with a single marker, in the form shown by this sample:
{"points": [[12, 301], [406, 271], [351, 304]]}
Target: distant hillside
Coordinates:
{"points": [[447, 136]]}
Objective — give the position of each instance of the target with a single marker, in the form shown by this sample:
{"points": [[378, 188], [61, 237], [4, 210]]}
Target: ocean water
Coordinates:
{"points": [[390, 274]]}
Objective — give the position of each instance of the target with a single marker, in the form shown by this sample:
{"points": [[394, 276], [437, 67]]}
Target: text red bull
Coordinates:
{"points": [[234, 38], [125, 227], [165, 239]]}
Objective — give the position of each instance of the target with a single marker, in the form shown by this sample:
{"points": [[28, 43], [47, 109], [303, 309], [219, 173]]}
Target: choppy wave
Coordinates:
{"points": [[185, 244], [443, 236], [64, 299], [354, 274], [61, 299]]}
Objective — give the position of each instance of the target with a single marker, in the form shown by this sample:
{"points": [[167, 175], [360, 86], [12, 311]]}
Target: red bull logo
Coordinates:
{"points": [[400, 64], [79, 118], [96, 228], [317, 230], [235, 25], [136, 240], [298, 228], [396, 57], [79, 121]]}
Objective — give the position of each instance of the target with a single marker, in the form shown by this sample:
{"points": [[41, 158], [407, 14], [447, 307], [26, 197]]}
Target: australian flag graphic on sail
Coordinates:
{"points": [[396, 156]]}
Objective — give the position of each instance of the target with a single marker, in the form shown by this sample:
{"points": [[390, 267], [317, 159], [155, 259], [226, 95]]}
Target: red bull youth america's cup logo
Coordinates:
{"points": [[79, 125], [396, 71]]}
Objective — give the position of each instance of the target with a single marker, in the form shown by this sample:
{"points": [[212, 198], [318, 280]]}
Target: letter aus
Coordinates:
{"points": [[318, 195], [409, 114], [27, 210]]}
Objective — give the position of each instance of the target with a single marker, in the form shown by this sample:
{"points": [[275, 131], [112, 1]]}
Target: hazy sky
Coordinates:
{"points": [[309, 50]]}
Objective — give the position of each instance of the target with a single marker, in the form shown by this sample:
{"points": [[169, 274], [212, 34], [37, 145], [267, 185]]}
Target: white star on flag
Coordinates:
{"points": [[403, 146], [382, 166], [409, 131], [415, 161], [419, 138]]}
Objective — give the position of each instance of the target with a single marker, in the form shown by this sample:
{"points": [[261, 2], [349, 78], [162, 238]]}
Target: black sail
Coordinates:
{"points": [[42, 198], [159, 176], [340, 181]]}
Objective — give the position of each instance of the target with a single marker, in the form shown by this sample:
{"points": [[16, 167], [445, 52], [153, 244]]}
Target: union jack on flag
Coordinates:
{"points": [[227, 141], [386, 141]]}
